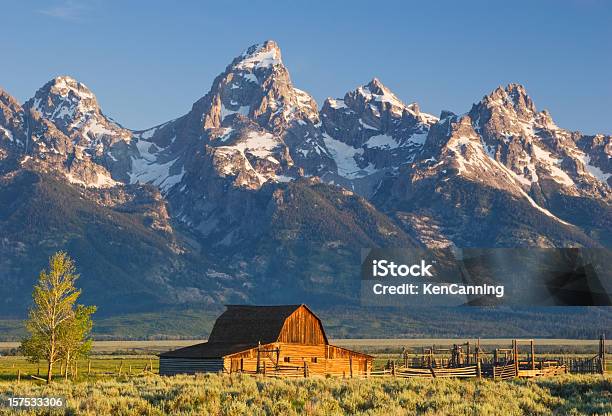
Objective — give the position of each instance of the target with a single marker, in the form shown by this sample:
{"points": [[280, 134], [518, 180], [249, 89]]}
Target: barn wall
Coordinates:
{"points": [[172, 366], [302, 327], [322, 366], [321, 359], [339, 352]]}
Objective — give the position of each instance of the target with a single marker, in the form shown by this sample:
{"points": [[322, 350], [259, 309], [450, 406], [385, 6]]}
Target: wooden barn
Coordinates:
{"points": [[266, 339]]}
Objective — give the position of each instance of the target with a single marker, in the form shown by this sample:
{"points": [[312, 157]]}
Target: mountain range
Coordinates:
{"points": [[257, 194]]}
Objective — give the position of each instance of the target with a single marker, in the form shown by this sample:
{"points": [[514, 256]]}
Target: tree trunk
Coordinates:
{"points": [[67, 364], [49, 371]]}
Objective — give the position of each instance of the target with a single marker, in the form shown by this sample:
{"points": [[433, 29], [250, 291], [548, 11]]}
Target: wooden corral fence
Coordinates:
{"points": [[271, 367], [459, 361], [592, 365], [471, 360], [503, 372]]}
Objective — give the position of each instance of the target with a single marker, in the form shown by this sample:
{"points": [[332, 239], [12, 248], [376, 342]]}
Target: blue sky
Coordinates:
{"points": [[148, 61]]}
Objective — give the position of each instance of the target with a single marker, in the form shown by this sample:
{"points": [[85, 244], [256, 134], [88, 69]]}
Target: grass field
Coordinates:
{"points": [[117, 384], [249, 395], [101, 366]]}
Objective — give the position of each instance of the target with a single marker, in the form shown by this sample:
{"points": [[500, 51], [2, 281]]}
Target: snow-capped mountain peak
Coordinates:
{"points": [[514, 97], [73, 108], [506, 143], [375, 90], [372, 132], [63, 100], [259, 56], [255, 130]]}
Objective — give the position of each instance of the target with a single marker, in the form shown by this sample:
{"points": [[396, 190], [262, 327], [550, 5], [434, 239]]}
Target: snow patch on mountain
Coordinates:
{"points": [[103, 180], [346, 159], [258, 144], [6, 133], [382, 141], [593, 170], [550, 163], [259, 56], [257, 153], [244, 110], [147, 168]]}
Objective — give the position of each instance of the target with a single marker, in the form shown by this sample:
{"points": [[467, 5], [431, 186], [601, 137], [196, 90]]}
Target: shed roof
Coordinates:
{"points": [[207, 350]]}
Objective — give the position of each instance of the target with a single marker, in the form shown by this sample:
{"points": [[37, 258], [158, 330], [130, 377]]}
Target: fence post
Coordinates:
{"points": [[602, 353], [532, 354], [515, 357], [18, 375], [393, 368], [478, 370], [258, 356], [305, 369], [351, 365], [88, 367]]}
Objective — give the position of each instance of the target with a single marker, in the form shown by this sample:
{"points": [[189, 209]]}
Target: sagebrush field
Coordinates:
{"points": [[247, 395]]}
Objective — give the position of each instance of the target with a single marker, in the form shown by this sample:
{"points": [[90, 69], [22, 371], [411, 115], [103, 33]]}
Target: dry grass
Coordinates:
{"points": [[245, 395]]}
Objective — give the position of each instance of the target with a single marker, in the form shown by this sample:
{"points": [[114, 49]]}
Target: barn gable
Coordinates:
{"points": [[303, 327]]}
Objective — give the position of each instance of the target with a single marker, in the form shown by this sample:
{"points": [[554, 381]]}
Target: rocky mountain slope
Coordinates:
{"points": [[504, 174], [257, 194], [371, 133]]}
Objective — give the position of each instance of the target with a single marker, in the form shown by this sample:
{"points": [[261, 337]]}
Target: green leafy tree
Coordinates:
{"points": [[58, 329], [76, 341]]}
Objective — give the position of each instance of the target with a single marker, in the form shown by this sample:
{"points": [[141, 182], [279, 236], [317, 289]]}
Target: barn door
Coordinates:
{"points": [[235, 365]]}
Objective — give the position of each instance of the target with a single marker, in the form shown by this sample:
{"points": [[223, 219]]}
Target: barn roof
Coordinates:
{"points": [[251, 324], [239, 328], [207, 350]]}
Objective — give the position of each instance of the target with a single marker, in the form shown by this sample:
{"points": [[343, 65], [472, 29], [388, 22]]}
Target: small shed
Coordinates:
{"points": [[248, 338]]}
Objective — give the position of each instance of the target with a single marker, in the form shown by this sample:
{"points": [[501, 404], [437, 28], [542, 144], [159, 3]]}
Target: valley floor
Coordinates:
{"points": [[247, 395]]}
